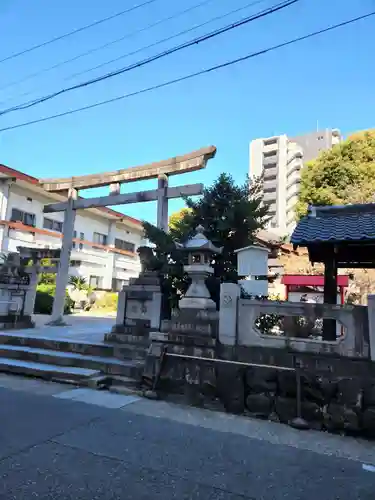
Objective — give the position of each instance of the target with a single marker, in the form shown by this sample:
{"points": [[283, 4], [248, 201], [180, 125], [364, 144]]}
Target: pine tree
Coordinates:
{"points": [[230, 214]]}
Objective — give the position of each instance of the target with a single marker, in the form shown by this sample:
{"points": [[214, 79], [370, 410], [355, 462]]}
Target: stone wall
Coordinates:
{"points": [[337, 393], [331, 403]]}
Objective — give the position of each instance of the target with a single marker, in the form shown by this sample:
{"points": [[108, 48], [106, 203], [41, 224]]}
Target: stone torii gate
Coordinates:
{"points": [[190, 162]]}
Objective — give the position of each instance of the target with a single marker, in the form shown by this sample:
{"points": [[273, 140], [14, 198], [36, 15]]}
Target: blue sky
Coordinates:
{"points": [[329, 79]]}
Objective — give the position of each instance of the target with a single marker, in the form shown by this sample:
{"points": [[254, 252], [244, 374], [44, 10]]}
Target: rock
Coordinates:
{"points": [[338, 417], [150, 394], [368, 422], [287, 384], [261, 379], [313, 414], [369, 395], [273, 417], [193, 395], [328, 388], [259, 405], [231, 388], [349, 392], [286, 409]]}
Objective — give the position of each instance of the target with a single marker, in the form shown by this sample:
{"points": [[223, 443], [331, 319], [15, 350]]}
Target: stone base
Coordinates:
{"points": [[58, 322], [146, 278], [193, 322], [200, 303], [9, 322]]}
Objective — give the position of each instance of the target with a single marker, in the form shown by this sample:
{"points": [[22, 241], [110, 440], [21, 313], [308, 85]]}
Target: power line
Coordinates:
{"points": [[192, 75], [105, 45], [165, 53], [78, 30], [158, 42]]}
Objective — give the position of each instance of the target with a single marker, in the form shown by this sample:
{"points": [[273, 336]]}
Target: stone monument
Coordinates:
{"points": [[139, 303]]}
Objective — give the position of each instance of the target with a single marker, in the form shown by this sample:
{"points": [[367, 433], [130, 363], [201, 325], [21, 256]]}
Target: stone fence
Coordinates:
{"points": [[254, 323]]}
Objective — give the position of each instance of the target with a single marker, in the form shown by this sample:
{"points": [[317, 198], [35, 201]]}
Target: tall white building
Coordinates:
{"points": [[105, 245], [280, 159]]}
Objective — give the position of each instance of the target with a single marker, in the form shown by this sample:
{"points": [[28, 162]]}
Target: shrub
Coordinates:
{"points": [[45, 293], [108, 302]]}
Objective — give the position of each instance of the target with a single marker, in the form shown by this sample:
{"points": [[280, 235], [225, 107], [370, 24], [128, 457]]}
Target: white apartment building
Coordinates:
{"points": [[105, 244], [280, 159]]}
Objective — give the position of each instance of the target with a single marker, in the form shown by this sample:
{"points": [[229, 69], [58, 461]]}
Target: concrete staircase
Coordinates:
{"points": [[112, 365]]}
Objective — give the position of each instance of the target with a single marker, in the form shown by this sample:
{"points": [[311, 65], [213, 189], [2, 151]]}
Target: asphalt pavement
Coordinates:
{"points": [[55, 446]]}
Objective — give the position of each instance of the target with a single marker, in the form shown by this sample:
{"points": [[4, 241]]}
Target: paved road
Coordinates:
{"points": [[52, 447]]}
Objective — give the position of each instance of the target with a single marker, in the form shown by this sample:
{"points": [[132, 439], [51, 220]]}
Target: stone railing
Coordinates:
{"points": [[241, 324]]}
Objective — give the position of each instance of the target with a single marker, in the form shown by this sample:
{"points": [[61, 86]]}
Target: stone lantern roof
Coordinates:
{"points": [[199, 242]]}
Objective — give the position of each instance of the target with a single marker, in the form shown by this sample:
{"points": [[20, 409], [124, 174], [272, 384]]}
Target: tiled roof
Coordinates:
{"points": [[336, 224]]}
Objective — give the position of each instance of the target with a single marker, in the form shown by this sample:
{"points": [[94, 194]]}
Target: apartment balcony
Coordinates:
{"points": [[270, 173], [270, 161], [269, 198], [269, 184], [270, 145]]}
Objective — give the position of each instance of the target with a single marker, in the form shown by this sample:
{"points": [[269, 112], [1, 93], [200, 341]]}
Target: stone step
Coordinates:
{"points": [[106, 365], [61, 344], [124, 338], [68, 374], [129, 351], [125, 385]]}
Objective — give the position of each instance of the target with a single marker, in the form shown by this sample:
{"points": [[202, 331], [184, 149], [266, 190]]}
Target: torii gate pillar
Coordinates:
{"points": [[57, 318], [162, 210]]}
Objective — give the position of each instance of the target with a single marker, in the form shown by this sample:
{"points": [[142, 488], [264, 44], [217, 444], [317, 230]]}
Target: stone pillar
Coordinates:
{"points": [[57, 318], [121, 307], [371, 324], [28, 308], [162, 209], [228, 316]]}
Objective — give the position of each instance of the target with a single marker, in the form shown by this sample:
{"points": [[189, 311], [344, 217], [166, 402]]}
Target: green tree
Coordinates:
{"points": [[231, 215], [177, 216], [344, 174]]}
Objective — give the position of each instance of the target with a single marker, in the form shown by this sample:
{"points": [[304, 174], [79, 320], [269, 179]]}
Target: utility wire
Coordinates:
{"points": [[193, 75], [78, 30], [158, 42], [165, 53], [105, 45]]}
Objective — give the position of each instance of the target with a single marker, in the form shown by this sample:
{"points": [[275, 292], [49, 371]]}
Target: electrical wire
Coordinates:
{"points": [[167, 39], [165, 53], [74, 32], [105, 45], [193, 75]]}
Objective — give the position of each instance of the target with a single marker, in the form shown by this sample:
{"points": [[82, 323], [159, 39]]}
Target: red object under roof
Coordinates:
{"points": [[312, 280]]}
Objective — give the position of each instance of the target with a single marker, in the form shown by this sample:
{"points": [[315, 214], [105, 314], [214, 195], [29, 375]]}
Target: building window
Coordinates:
{"points": [[100, 238], [95, 281], [25, 217], [54, 225], [269, 142], [124, 245], [269, 154], [268, 178], [269, 166], [269, 190]]}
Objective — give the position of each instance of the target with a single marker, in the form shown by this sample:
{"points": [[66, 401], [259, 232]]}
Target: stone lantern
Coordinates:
{"points": [[199, 252]]}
